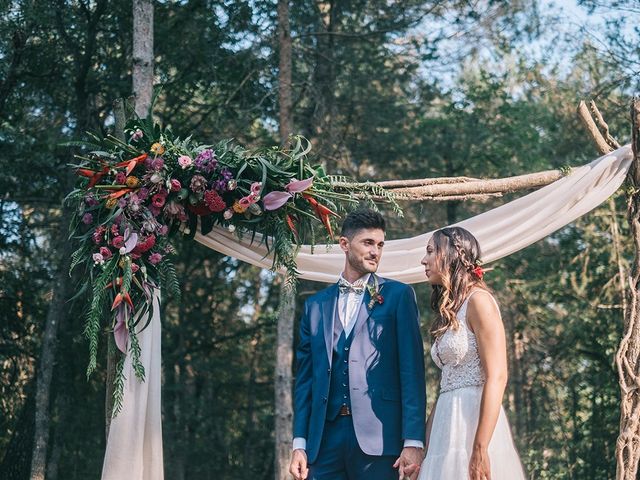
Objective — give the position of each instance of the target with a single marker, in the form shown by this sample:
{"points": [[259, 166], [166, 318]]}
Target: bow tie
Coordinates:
{"points": [[356, 287]]}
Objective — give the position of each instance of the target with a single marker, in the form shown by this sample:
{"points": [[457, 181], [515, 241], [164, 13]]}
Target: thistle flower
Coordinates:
{"points": [[87, 218]]}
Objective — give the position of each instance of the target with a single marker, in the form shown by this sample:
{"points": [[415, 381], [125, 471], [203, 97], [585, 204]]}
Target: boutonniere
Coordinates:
{"points": [[374, 292]]}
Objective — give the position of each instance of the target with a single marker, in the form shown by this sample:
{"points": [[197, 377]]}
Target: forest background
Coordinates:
{"points": [[384, 90]]}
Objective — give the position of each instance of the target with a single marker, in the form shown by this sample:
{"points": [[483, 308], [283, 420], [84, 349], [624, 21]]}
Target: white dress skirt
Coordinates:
{"points": [[457, 412]]}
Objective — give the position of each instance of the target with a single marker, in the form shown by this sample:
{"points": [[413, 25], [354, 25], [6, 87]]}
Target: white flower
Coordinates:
{"points": [[122, 250], [98, 259], [156, 178], [228, 214], [231, 228]]}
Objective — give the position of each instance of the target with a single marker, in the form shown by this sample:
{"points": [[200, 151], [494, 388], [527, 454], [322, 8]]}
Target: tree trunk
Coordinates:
{"points": [[283, 382], [628, 355], [284, 73], [284, 339], [143, 56], [55, 316]]}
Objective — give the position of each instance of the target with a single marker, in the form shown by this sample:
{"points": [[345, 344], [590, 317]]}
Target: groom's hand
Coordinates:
{"points": [[298, 467], [408, 464]]}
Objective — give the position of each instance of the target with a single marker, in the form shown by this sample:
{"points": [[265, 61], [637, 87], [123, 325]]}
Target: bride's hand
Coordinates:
{"points": [[479, 467]]}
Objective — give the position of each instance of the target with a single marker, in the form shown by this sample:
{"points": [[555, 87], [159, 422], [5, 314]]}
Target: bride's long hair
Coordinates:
{"points": [[457, 256]]}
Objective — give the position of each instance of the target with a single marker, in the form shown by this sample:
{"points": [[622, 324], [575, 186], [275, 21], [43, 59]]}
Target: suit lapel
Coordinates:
{"points": [[329, 306], [365, 313]]}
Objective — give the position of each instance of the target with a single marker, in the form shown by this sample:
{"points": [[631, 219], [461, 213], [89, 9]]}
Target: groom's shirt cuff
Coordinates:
{"points": [[409, 443], [299, 443]]}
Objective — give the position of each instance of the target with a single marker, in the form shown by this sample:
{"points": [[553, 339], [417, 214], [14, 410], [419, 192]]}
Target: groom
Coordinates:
{"points": [[359, 408]]}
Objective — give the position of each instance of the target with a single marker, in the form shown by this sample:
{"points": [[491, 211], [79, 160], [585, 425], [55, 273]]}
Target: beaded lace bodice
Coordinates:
{"points": [[456, 354]]}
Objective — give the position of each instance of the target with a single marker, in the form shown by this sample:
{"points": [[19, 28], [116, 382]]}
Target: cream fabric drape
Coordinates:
{"points": [[501, 231], [134, 447]]}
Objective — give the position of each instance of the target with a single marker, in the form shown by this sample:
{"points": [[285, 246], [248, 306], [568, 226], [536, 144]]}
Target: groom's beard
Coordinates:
{"points": [[363, 265]]}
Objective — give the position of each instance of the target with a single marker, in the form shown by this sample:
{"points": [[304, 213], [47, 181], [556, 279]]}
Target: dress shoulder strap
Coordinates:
{"points": [[465, 304]]}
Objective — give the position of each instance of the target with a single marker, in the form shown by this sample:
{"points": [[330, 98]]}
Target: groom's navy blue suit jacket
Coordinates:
{"points": [[386, 370]]}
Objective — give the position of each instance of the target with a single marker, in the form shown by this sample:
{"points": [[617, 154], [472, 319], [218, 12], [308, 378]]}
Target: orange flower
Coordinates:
{"points": [[112, 202], [238, 208], [157, 148], [132, 181]]}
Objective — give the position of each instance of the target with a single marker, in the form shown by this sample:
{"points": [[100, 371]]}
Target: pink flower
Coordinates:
{"points": [[175, 185], [98, 259], [98, 235], [155, 211], [121, 178], [137, 135], [158, 200], [185, 161], [118, 241], [163, 230], [115, 231], [256, 187], [134, 267], [87, 218], [155, 258], [105, 252], [198, 183], [245, 202]]}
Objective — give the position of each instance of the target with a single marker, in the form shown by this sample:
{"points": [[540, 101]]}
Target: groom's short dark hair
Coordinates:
{"points": [[362, 219]]}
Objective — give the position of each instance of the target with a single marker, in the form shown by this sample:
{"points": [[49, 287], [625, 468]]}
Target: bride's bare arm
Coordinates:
{"points": [[484, 319]]}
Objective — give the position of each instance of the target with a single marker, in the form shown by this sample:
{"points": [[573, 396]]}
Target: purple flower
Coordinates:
{"points": [[143, 193], [122, 202], [87, 218], [91, 201], [157, 163], [198, 183], [155, 258], [121, 178], [220, 185], [206, 161], [226, 174]]}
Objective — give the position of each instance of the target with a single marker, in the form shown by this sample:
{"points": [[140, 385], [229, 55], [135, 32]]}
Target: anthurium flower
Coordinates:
{"points": [[275, 200], [297, 186]]}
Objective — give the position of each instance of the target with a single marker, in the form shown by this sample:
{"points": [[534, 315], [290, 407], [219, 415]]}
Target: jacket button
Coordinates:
{"points": [[328, 371], [324, 399]]}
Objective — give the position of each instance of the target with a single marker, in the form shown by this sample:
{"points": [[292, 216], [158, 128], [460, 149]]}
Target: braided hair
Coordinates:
{"points": [[457, 257]]}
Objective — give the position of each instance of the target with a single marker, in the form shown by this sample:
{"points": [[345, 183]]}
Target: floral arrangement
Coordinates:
{"points": [[135, 194]]}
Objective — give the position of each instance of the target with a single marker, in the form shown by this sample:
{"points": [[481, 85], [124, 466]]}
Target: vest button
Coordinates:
{"points": [[346, 349], [344, 384], [328, 371], [346, 361], [324, 399]]}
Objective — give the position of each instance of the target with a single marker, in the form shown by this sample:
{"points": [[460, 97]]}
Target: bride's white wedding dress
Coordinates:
{"points": [[458, 409]]}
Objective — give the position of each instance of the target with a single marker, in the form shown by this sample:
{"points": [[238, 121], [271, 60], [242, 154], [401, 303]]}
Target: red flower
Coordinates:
{"points": [[158, 200], [478, 272], [118, 241], [380, 299], [214, 201]]}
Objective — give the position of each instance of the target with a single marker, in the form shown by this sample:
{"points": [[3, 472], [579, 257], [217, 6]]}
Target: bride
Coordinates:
{"points": [[468, 436]]}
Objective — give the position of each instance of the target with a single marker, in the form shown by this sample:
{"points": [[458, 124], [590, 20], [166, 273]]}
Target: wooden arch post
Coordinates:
{"points": [[628, 355]]}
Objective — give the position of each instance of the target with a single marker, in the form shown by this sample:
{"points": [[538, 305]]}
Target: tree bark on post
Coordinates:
{"points": [[628, 355], [283, 378], [143, 56]]}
